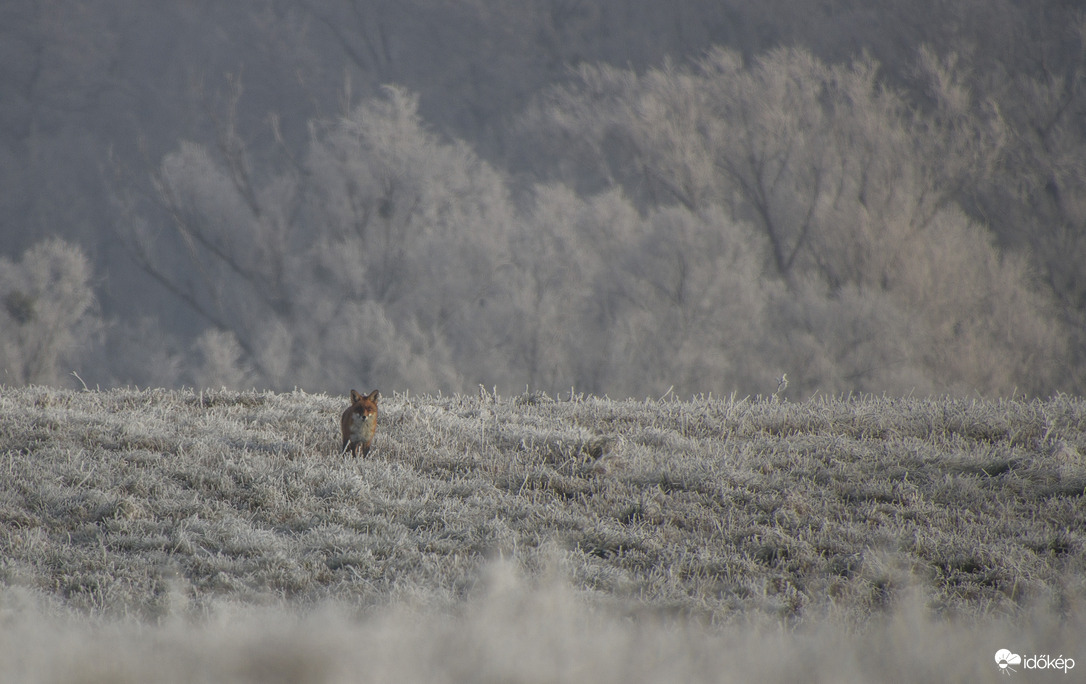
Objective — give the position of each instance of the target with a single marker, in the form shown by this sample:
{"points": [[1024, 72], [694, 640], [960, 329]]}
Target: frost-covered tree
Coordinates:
{"points": [[374, 256], [630, 304], [711, 227], [47, 317], [851, 199]]}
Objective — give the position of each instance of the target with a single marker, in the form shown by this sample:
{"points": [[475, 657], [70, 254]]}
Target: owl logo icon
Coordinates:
{"points": [[1004, 658]]}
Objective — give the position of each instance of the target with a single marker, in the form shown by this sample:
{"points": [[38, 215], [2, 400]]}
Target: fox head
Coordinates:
{"points": [[359, 422], [364, 404]]}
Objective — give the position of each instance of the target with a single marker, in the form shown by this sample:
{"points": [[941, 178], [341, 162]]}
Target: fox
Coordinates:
{"points": [[359, 422]]}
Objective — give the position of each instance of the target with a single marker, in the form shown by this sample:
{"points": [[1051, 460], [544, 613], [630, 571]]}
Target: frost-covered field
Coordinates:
{"points": [[184, 536]]}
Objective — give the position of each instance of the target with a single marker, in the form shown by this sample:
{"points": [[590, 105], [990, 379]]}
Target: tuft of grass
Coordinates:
{"points": [[164, 514]]}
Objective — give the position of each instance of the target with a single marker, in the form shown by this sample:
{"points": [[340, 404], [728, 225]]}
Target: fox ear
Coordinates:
{"points": [[374, 395], [355, 396]]}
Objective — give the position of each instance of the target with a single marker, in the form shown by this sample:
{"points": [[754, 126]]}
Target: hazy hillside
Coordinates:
{"points": [[180, 535]]}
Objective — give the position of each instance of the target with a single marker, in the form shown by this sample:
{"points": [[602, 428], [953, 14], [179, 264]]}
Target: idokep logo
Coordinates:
{"points": [[1007, 660]]}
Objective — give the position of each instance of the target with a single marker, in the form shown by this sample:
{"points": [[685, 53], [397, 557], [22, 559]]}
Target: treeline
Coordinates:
{"points": [[803, 197]]}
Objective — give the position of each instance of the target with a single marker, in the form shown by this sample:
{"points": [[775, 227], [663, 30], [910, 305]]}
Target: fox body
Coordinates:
{"points": [[359, 422]]}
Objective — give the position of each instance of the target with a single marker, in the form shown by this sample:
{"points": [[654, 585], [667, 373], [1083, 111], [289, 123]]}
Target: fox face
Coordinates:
{"points": [[359, 422]]}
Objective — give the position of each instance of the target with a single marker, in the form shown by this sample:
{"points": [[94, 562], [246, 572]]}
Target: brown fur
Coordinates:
{"points": [[359, 422]]}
